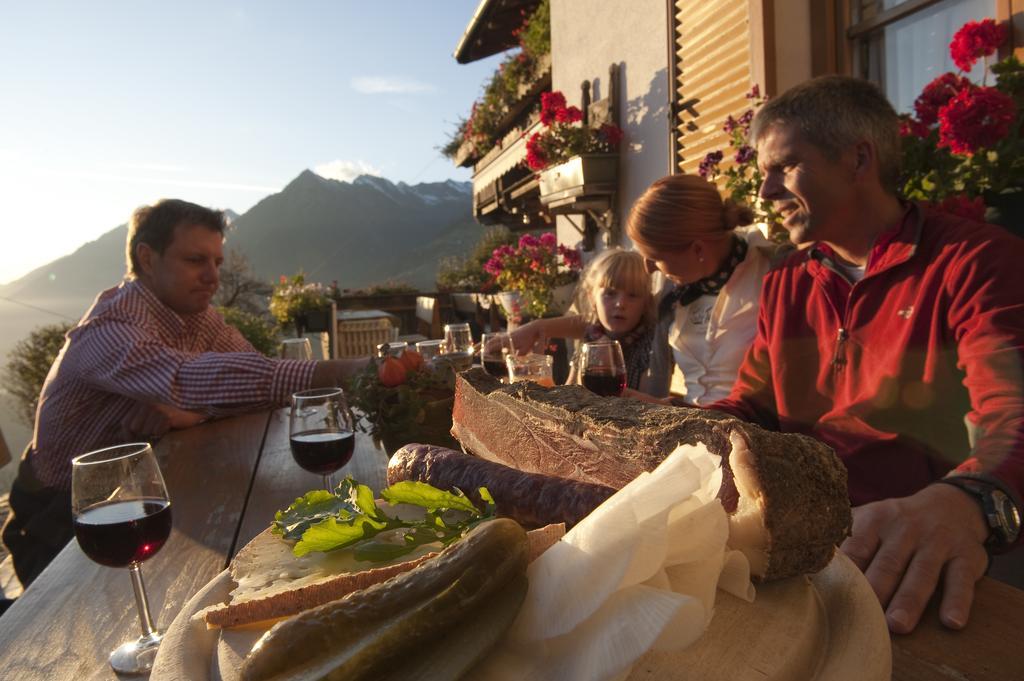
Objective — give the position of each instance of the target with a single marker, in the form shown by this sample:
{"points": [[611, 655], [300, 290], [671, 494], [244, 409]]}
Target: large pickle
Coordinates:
{"points": [[363, 634]]}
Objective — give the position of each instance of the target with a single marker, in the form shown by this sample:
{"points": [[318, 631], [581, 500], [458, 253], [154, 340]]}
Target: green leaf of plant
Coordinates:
{"points": [[330, 534], [430, 498], [310, 508]]}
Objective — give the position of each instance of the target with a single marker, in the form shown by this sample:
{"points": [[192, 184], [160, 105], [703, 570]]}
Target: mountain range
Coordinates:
{"points": [[358, 233]]}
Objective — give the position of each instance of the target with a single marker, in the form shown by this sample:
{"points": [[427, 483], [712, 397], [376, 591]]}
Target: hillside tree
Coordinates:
{"points": [[29, 363]]}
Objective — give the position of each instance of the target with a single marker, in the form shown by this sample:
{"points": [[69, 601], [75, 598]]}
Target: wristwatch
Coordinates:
{"points": [[1001, 512]]}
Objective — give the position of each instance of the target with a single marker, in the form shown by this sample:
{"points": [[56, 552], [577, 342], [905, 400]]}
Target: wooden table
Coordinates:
{"points": [[227, 478]]}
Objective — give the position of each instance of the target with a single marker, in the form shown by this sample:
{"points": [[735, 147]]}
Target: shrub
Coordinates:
{"points": [[29, 363], [256, 329]]}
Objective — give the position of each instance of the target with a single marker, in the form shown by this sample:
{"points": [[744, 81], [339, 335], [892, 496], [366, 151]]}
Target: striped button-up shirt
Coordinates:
{"points": [[130, 347]]}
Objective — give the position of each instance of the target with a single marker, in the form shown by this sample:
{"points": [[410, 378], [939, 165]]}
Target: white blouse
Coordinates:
{"points": [[710, 336]]}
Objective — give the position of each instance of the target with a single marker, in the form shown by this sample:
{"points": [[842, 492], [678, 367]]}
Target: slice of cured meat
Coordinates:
{"points": [[786, 493]]}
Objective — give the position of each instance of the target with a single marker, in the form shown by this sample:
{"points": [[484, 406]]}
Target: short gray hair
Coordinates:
{"points": [[834, 112]]}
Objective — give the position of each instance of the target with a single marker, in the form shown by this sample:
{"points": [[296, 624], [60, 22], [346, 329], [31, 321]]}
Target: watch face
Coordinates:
{"points": [[1009, 516]]}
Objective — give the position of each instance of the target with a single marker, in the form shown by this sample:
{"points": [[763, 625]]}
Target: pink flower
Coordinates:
{"points": [[974, 40], [548, 239], [528, 241], [975, 118]]}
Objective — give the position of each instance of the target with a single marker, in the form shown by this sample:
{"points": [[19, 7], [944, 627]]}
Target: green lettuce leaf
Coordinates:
{"points": [[430, 498]]}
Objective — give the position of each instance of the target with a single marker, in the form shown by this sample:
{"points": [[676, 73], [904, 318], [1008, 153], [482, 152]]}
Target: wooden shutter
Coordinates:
{"points": [[711, 74]]}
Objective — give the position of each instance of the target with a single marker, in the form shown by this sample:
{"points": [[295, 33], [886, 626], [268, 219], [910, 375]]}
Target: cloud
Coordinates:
{"points": [[345, 171], [378, 85]]}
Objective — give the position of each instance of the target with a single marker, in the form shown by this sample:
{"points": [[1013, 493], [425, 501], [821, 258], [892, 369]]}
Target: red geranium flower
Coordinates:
{"points": [[913, 127], [550, 104], [612, 133], [975, 40], [935, 96], [977, 117], [569, 114], [960, 205]]}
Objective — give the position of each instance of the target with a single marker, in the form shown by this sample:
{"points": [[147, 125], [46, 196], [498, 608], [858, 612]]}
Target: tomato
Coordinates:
{"points": [[391, 372], [411, 360]]}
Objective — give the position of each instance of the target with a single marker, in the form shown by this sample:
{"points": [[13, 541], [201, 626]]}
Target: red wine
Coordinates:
{"points": [[606, 384], [496, 367], [119, 533], [322, 451]]}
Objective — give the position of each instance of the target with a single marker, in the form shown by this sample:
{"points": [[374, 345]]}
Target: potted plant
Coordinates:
{"points": [[404, 399], [573, 159], [534, 275], [962, 147], [518, 74], [742, 176], [465, 278], [306, 305]]}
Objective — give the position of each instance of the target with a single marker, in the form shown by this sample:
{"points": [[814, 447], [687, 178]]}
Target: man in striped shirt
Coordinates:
{"points": [[148, 356]]}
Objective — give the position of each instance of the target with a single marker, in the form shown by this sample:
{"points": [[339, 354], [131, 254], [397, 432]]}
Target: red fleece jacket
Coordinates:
{"points": [[885, 370]]}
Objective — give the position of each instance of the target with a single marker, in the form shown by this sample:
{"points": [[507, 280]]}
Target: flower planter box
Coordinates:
{"points": [[582, 182], [464, 303]]}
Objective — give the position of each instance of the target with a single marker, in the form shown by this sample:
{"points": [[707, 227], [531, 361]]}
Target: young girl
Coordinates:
{"points": [[614, 301]]}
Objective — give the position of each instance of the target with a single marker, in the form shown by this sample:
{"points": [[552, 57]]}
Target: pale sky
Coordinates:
{"points": [[108, 105]]}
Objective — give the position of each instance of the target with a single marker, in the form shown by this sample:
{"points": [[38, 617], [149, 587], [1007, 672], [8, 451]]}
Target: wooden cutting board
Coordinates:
{"points": [[828, 627]]}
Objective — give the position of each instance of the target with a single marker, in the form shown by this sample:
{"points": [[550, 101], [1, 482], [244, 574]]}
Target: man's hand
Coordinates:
{"points": [[146, 421], [905, 546]]}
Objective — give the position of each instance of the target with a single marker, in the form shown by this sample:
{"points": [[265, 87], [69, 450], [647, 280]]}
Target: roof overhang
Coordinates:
{"points": [[490, 31]]}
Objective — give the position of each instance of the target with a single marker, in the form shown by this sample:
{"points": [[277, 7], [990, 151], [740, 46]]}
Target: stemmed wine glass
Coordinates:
{"points": [[458, 345], [493, 349], [602, 368], [296, 348], [320, 431], [122, 516]]}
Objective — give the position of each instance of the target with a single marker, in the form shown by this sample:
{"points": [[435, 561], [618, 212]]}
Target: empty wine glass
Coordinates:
{"points": [[430, 349], [296, 348], [494, 347], [393, 348], [122, 516], [458, 346], [320, 431], [602, 368]]}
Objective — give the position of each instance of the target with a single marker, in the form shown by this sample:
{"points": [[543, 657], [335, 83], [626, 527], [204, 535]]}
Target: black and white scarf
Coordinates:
{"points": [[712, 285]]}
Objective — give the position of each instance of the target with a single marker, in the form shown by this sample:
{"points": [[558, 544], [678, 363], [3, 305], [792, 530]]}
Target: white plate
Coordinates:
{"points": [[828, 626]]}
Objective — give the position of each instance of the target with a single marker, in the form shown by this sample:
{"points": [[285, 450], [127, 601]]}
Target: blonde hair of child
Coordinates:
{"points": [[616, 269]]}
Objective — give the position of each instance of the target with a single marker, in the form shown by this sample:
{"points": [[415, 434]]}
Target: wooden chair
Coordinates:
{"points": [[428, 317], [360, 337]]}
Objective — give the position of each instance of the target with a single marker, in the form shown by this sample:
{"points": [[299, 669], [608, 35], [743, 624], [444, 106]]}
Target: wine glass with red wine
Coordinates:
{"points": [[122, 516], [320, 431], [602, 367], [494, 347]]}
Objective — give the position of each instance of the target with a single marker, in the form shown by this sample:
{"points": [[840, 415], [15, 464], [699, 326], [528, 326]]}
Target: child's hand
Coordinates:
{"points": [[528, 338]]}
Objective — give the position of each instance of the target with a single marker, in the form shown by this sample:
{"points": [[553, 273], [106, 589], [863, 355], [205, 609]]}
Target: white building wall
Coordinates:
{"points": [[587, 36]]}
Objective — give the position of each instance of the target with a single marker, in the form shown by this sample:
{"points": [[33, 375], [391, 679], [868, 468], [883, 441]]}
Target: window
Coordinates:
{"points": [[903, 44]]}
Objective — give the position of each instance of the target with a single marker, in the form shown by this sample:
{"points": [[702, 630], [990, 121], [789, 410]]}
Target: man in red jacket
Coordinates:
{"points": [[889, 326]]}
